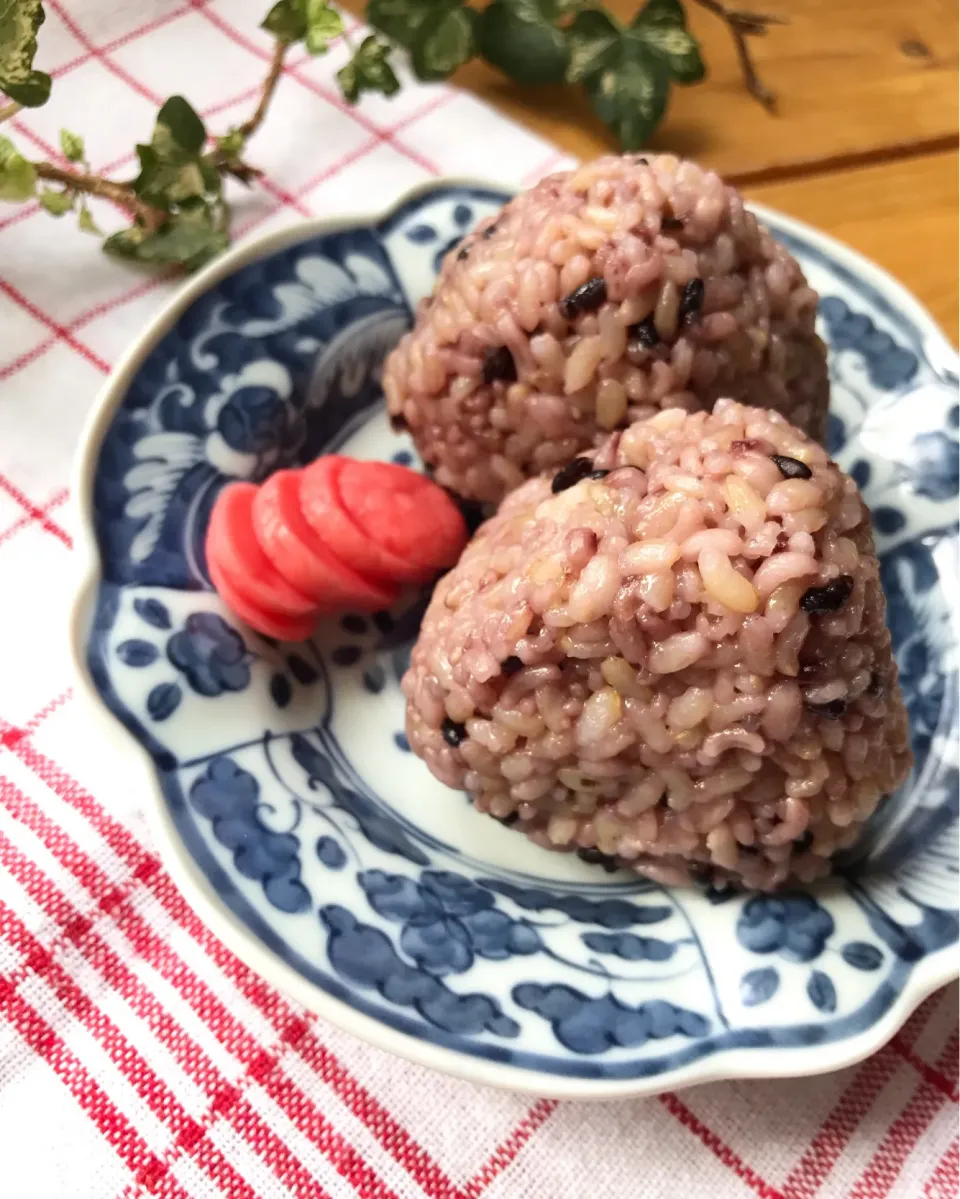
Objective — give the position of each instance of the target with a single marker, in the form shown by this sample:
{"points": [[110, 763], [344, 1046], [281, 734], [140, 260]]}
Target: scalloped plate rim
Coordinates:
{"points": [[934, 970]]}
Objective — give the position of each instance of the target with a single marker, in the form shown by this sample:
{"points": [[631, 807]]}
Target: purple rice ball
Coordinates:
{"points": [[594, 300], [671, 655]]}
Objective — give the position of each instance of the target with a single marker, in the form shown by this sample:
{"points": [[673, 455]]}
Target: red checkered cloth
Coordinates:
{"points": [[137, 1055]]}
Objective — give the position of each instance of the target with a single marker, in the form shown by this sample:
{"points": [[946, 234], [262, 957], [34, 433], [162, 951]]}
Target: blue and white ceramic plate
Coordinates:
{"points": [[322, 851]]}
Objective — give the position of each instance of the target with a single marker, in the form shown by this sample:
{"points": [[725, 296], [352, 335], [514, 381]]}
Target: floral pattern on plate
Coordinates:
{"points": [[286, 771]]}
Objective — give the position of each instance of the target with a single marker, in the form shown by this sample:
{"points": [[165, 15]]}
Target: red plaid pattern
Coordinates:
{"points": [[138, 1057]]}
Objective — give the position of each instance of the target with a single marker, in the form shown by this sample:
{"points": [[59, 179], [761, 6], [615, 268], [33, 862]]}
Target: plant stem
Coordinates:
{"points": [[8, 111], [743, 25], [249, 127], [94, 185]]}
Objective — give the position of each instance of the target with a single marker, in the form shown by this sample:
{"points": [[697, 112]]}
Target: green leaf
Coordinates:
{"points": [[630, 94], [444, 44], [519, 38], [172, 169], [662, 26], [401, 20], [368, 71], [231, 143], [72, 145], [184, 128], [56, 203], [167, 184], [188, 238], [19, 22], [287, 20], [31, 92], [86, 223], [18, 179], [323, 23], [594, 39]]}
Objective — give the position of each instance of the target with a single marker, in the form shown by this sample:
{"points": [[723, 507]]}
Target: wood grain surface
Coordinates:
{"points": [[864, 143], [856, 80], [902, 214]]}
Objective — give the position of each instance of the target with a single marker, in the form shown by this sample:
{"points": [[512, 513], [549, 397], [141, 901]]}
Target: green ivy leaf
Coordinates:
{"points": [[445, 44], [287, 20], [402, 20], [166, 183], [86, 223], [56, 203], [368, 71], [594, 39], [662, 26], [519, 37], [19, 22], [18, 179], [178, 129], [172, 170], [189, 238], [231, 143], [72, 145], [628, 82], [323, 23], [630, 93]]}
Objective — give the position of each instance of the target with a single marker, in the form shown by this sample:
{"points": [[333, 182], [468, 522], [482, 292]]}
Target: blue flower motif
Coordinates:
{"points": [[364, 955], [255, 420], [888, 364], [447, 919], [821, 991], [153, 612], [608, 913], [934, 465], [163, 700], [630, 947], [757, 986], [330, 852], [137, 653], [422, 234], [211, 654], [587, 1025], [793, 925], [374, 819], [836, 437], [919, 623], [862, 955], [229, 797]]}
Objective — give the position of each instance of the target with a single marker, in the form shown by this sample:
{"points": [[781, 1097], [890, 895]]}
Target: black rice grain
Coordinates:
{"points": [[829, 598], [454, 734], [791, 468], [585, 298], [573, 472], [498, 364], [643, 335], [691, 301]]}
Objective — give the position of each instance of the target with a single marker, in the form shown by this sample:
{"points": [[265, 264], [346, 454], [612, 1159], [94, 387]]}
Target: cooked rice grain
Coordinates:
{"points": [[653, 665], [592, 301]]}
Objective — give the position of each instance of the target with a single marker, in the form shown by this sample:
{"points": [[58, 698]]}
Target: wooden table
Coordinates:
{"points": [[865, 143]]}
